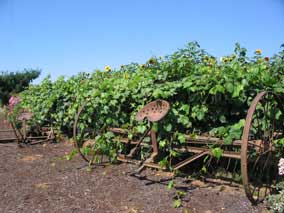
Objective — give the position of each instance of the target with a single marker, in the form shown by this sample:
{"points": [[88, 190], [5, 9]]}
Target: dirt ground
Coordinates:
{"points": [[39, 179]]}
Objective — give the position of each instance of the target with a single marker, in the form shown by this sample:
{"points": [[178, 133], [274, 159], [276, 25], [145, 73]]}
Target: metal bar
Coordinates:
{"points": [[37, 137], [7, 139], [154, 142], [6, 130], [228, 154], [134, 150], [220, 142], [202, 138], [120, 130], [191, 159], [126, 140], [209, 140]]}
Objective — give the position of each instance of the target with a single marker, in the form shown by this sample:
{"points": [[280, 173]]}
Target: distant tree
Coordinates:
{"points": [[15, 82]]}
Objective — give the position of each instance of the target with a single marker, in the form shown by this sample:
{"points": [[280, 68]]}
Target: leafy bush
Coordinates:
{"points": [[206, 96]]}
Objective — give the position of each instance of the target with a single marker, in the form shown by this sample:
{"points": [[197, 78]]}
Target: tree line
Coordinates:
{"points": [[14, 82]]}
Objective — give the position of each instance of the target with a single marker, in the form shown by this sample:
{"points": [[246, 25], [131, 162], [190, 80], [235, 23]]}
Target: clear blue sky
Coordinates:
{"points": [[64, 37]]}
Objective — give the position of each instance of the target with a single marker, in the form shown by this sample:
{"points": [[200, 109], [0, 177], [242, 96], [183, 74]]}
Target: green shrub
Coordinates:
{"points": [[206, 95]]}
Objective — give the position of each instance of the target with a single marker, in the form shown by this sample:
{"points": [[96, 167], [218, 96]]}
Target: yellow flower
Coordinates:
{"points": [[143, 66], [224, 59], [258, 51], [107, 68]]}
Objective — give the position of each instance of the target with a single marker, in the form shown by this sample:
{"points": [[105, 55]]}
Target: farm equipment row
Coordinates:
{"points": [[255, 152]]}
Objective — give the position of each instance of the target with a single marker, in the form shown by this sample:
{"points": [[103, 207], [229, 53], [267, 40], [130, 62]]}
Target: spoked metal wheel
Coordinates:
{"points": [[84, 136], [263, 127]]}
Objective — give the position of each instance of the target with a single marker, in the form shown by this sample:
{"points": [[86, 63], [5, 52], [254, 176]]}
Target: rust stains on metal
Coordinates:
{"points": [[154, 111]]}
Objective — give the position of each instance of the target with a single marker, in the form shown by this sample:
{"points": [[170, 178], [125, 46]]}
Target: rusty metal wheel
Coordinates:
{"points": [[84, 136], [263, 126]]}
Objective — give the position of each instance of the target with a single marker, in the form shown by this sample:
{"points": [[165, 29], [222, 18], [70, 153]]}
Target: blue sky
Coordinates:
{"points": [[64, 37]]}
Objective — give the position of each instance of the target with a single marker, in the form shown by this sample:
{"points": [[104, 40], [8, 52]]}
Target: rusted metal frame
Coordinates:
{"points": [[127, 141], [234, 143], [120, 130], [17, 133], [154, 142], [153, 112], [192, 149], [191, 159], [262, 148], [227, 154], [133, 150], [202, 138], [199, 152], [189, 139], [244, 148], [151, 159]]}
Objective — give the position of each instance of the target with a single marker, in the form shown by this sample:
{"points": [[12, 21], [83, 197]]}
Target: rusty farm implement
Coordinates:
{"points": [[255, 151], [22, 132]]}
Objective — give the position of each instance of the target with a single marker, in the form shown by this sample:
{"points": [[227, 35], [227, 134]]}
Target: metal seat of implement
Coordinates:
{"points": [[153, 112]]}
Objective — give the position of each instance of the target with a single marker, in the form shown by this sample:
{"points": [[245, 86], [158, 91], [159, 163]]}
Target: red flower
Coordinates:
{"points": [[266, 58]]}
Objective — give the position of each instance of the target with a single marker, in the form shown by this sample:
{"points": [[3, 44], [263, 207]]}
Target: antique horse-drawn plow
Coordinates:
{"points": [[262, 131], [21, 132]]}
